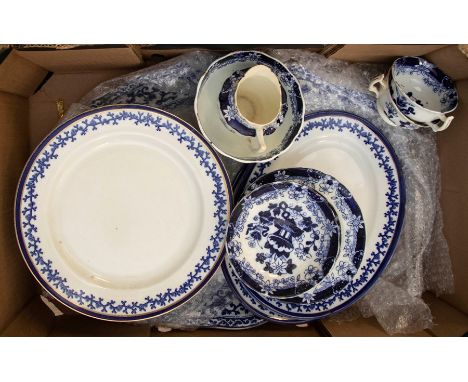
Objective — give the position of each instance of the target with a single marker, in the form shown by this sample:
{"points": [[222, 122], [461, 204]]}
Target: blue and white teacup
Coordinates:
{"points": [[253, 102], [249, 106], [423, 92], [386, 106]]}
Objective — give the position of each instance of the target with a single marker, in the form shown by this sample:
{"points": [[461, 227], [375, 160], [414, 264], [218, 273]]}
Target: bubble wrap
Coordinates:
{"points": [[421, 261]]}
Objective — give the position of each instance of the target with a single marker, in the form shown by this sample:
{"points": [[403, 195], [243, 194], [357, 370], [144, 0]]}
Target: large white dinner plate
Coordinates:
{"points": [[353, 151], [121, 212]]}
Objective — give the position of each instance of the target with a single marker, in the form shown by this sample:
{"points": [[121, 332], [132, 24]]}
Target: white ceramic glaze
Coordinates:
{"points": [[124, 211]]}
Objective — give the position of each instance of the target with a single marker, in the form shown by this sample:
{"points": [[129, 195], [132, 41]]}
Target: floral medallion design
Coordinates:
{"points": [[353, 234], [280, 238]]}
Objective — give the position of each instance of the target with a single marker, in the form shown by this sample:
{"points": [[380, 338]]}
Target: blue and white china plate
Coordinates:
{"points": [[353, 234], [282, 237], [121, 212], [220, 134], [353, 151], [246, 296]]}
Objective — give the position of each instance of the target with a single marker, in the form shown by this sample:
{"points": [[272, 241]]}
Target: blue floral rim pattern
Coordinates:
{"points": [[388, 239], [432, 76], [43, 269]]}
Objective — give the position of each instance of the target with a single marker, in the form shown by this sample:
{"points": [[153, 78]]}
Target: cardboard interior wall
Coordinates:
{"points": [[31, 83]]}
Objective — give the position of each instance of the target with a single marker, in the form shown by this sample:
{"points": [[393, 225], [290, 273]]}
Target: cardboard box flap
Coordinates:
{"points": [[72, 326], [265, 330], [378, 53], [451, 60], [34, 320], [61, 87], [82, 60], [453, 153], [16, 284], [362, 327], [20, 76], [448, 321]]}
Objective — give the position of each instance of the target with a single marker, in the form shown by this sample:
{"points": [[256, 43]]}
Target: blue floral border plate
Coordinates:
{"points": [[103, 202], [358, 155]]}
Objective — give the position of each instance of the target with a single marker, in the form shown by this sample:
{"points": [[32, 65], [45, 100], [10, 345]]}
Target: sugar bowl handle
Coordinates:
{"points": [[377, 85], [446, 124]]}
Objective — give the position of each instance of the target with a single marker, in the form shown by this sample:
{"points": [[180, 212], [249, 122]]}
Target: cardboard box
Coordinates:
{"points": [[33, 79]]}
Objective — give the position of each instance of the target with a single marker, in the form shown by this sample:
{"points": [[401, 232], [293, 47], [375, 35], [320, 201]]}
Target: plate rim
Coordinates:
{"points": [[398, 227], [21, 243]]}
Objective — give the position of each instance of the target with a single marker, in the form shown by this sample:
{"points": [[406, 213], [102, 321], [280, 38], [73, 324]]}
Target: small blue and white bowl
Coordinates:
{"points": [[387, 107], [423, 92], [233, 139]]}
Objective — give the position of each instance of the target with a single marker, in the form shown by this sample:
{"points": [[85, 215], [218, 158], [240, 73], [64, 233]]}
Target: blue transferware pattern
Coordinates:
{"points": [[432, 76], [215, 306], [351, 222], [404, 106], [377, 256], [245, 295], [291, 123], [388, 110], [43, 157], [282, 238], [231, 114]]}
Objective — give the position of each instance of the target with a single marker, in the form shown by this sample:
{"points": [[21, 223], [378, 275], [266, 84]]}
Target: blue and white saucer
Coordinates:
{"points": [[282, 239]]}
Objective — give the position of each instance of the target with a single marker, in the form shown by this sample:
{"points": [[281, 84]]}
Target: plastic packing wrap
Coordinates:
{"points": [[421, 260]]}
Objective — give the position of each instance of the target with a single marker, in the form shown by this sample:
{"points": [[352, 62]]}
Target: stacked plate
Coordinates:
{"points": [[316, 226]]}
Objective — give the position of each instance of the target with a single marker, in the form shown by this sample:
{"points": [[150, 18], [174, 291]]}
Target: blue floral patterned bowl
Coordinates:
{"points": [[423, 92], [387, 107], [225, 130], [280, 238]]}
